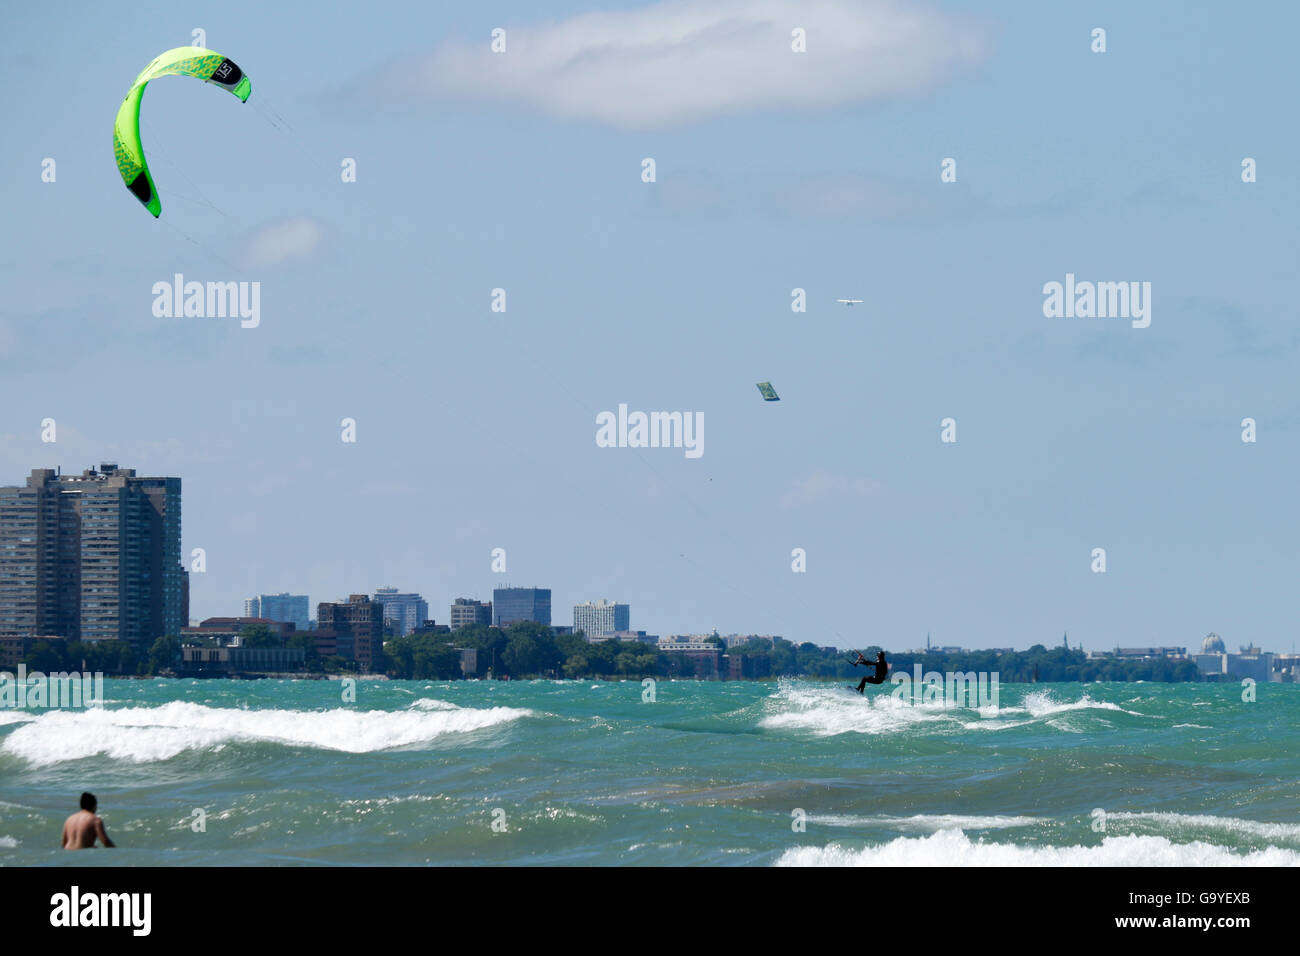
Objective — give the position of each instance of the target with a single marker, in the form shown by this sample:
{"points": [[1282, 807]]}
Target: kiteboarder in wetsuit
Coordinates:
{"points": [[881, 666]]}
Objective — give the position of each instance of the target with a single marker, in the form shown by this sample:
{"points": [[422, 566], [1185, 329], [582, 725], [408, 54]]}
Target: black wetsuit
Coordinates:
{"points": [[882, 668]]}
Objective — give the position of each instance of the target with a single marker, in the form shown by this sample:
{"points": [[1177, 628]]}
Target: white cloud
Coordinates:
{"points": [[855, 197], [685, 60], [290, 239], [691, 193]]}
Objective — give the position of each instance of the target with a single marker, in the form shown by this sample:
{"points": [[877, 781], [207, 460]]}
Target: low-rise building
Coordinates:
{"points": [[1286, 668], [1149, 653], [746, 666], [1251, 662], [1139, 654], [228, 630], [640, 636], [13, 648], [238, 661], [700, 658], [738, 640]]}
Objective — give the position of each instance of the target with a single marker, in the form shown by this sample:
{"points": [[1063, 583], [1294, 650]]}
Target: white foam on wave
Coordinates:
{"points": [[16, 716], [828, 711], [147, 734], [8, 843], [1041, 704], [993, 710], [432, 703], [954, 848], [989, 724], [1289, 832], [926, 821]]}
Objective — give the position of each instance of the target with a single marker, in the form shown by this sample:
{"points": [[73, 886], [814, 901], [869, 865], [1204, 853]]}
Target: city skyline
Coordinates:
{"points": [[476, 429], [111, 471]]}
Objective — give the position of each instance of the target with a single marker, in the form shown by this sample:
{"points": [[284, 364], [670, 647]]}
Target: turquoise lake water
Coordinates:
{"points": [[584, 772]]}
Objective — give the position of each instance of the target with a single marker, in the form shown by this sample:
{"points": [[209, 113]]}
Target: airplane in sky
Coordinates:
{"points": [[849, 302]]}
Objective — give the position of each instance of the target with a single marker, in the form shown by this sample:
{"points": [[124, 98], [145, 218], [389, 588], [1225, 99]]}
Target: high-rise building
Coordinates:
{"points": [[521, 604], [466, 612], [285, 607], [403, 613], [357, 627], [95, 557], [601, 619]]}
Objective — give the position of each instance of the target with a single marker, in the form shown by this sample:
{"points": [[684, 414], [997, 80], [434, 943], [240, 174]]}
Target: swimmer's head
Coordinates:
{"points": [[88, 802]]}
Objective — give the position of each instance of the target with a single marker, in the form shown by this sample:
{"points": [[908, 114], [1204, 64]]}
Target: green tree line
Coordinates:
{"points": [[526, 649]]}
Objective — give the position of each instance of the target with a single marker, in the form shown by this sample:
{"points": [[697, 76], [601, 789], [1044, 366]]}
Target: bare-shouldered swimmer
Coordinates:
{"points": [[82, 828]]}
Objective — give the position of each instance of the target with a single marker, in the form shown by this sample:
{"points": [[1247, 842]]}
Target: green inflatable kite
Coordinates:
{"points": [[183, 61]]}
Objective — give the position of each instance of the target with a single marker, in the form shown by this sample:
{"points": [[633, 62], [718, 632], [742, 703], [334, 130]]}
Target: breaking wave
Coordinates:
{"points": [[925, 821], [952, 847], [1281, 832], [148, 734], [827, 710]]}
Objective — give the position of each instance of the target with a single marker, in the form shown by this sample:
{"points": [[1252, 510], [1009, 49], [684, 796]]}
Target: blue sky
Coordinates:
{"points": [[522, 170]]}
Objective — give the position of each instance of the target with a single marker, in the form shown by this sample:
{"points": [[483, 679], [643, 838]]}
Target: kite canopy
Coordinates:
{"points": [[183, 61], [768, 392]]}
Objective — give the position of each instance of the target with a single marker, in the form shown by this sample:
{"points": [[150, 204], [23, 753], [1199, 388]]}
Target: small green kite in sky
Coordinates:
{"points": [[183, 61]]}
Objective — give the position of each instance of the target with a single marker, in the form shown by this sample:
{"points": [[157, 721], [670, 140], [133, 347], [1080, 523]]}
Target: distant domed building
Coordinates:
{"points": [[1213, 644]]}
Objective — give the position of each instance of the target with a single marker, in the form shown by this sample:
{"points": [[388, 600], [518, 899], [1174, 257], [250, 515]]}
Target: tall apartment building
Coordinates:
{"points": [[94, 557], [465, 612], [521, 604], [602, 619], [357, 627], [286, 608], [403, 613]]}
